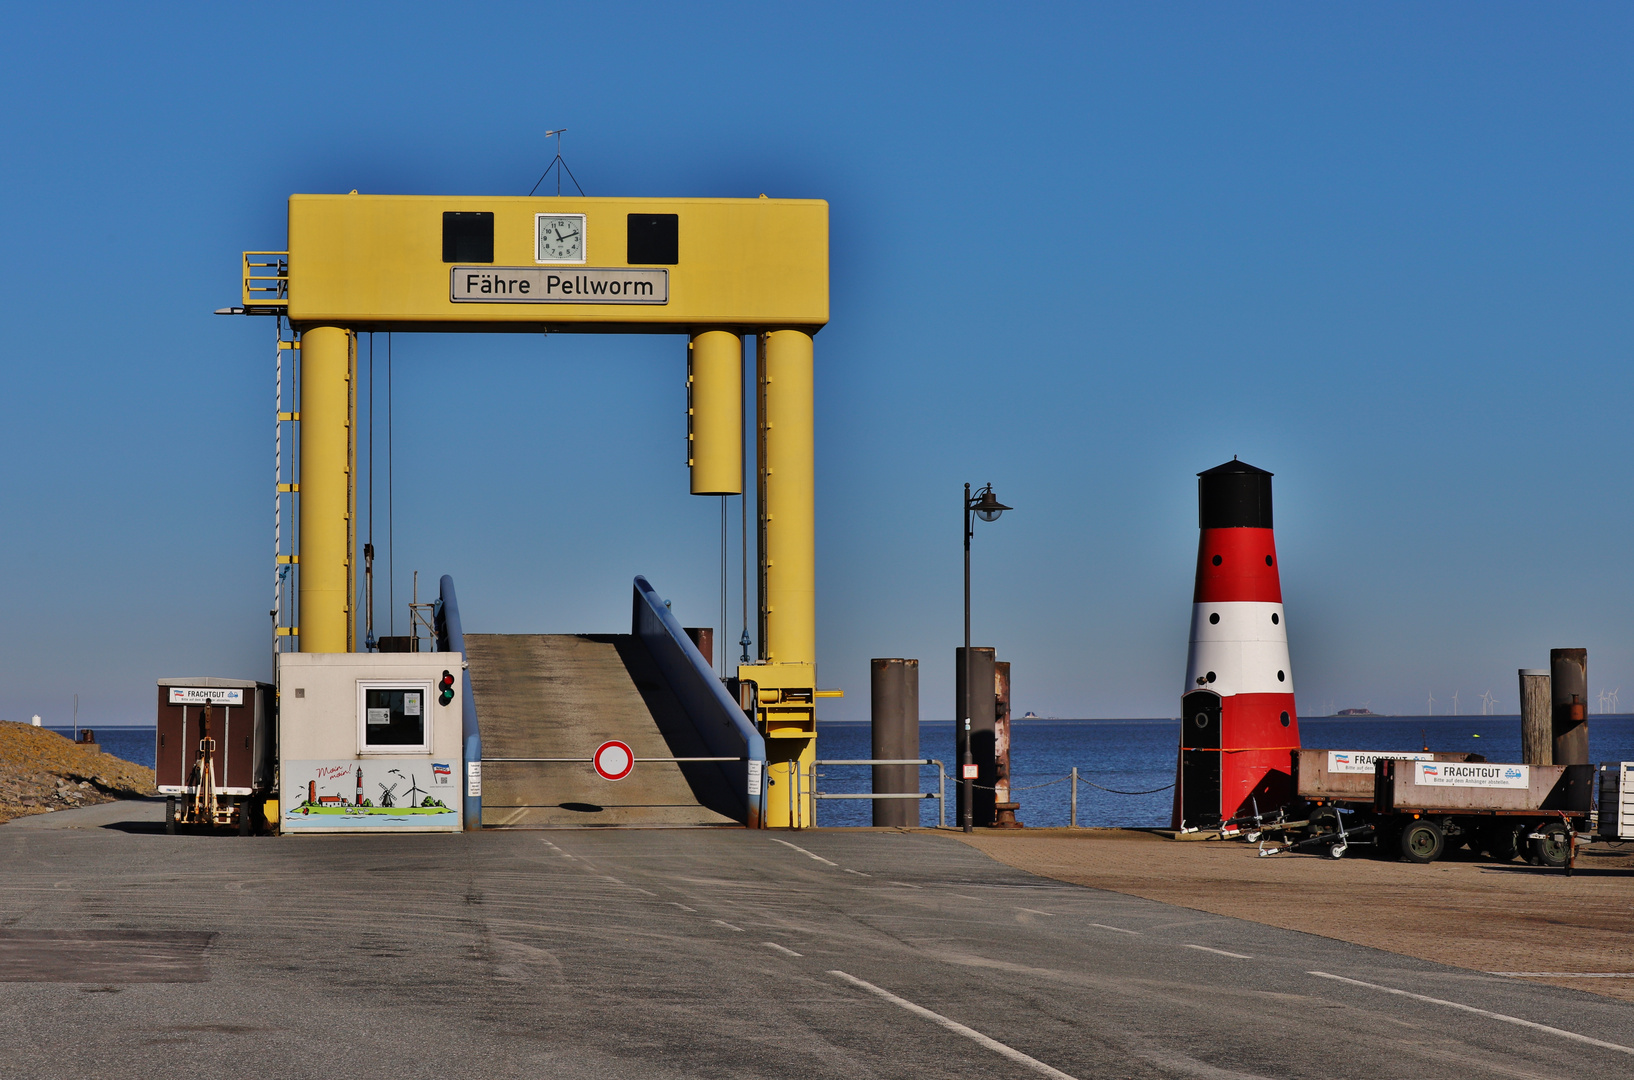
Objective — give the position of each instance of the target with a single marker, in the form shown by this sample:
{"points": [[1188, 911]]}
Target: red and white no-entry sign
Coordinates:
{"points": [[613, 760]]}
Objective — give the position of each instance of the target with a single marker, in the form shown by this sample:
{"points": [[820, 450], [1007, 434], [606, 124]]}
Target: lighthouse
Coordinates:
{"points": [[1238, 721]]}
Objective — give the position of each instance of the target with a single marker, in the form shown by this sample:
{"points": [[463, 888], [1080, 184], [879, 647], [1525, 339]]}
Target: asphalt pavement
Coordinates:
{"points": [[698, 953]]}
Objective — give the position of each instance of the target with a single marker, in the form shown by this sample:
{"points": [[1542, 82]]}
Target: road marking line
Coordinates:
{"points": [[953, 1025], [1221, 952], [1035, 911], [1119, 929], [729, 926], [682, 906], [859, 873], [1574, 1036], [1565, 974], [779, 948], [801, 850]]}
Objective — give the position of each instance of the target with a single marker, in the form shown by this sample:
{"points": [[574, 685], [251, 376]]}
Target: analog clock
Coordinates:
{"points": [[560, 238]]}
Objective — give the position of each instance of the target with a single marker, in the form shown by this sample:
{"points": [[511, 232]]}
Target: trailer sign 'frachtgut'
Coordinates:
{"points": [[1360, 762], [557, 285], [1476, 775], [199, 695]]}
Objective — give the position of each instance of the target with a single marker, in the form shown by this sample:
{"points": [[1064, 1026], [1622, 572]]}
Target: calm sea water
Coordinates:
{"points": [[1138, 755], [1129, 755], [134, 744]]}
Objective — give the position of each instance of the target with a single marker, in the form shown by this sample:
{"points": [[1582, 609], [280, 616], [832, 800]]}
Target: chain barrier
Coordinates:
{"points": [[1081, 780]]}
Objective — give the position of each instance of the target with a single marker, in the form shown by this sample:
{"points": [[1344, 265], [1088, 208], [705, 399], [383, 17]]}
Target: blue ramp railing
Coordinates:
{"points": [[451, 638], [719, 720]]}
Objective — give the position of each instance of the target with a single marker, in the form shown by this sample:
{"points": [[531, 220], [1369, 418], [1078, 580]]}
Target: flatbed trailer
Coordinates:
{"points": [[1501, 808], [1345, 777]]}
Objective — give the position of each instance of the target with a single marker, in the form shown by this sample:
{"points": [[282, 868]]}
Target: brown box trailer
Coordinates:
{"points": [[242, 726]]}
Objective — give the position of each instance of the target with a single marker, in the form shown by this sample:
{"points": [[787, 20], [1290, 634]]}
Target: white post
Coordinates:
{"points": [[1075, 796]]}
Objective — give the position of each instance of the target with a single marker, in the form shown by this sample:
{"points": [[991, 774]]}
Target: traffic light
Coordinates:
{"points": [[445, 688]]}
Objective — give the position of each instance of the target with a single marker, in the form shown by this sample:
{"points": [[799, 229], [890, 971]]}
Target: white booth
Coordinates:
{"points": [[370, 742]]}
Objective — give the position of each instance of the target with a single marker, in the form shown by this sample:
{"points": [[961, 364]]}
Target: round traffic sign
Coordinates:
{"points": [[613, 760]]}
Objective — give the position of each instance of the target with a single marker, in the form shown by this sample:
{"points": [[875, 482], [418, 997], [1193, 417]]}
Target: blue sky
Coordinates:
{"points": [[1083, 253]]}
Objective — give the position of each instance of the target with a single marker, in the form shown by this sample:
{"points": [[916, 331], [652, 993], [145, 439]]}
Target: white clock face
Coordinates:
{"points": [[560, 238]]}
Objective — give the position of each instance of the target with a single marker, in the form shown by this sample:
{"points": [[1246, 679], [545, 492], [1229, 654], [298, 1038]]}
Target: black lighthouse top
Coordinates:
{"points": [[1234, 496]]}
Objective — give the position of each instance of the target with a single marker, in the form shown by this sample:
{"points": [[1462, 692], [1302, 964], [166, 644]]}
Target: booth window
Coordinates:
{"points": [[394, 717]]}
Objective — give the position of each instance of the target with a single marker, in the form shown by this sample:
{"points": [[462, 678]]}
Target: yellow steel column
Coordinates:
{"points": [[715, 414], [328, 415], [791, 573], [788, 571]]}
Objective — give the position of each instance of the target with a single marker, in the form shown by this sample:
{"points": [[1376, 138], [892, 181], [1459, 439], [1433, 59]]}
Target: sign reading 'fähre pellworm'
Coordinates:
{"points": [[555, 285]]}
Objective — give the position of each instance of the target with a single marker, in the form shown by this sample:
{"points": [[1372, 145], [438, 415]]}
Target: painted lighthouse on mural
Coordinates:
{"points": [[1238, 722]]}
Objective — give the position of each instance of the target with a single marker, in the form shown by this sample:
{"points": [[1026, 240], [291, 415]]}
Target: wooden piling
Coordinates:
{"points": [[1537, 724]]}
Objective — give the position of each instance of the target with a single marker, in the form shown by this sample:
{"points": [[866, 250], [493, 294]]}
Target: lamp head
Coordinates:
{"points": [[988, 508]]}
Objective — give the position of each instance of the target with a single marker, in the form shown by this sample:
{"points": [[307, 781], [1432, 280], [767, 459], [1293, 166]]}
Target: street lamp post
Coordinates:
{"points": [[987, 507]]}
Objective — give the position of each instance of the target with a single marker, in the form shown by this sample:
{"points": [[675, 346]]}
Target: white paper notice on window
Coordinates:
{"points": [[411, 704], [379, 716]]}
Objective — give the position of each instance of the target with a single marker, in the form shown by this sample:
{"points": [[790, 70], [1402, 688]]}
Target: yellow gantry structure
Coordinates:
{"points": [[714, 270]]}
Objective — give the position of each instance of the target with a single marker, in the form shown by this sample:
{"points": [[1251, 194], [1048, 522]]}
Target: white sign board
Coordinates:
{"points": [[1361, 761], [546, 285], [473, 779], [1472, 774], [754, 777], [198, 695]]}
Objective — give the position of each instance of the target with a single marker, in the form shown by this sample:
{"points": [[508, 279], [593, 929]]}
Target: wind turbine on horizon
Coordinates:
{"points": [[1432, 705], [1488, 702], [1455, 703]]}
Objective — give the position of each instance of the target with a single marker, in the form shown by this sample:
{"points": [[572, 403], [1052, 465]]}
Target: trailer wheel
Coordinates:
{"points": [[1422, 842], [170, 815], [1323, 820], [1555, 847], [1501, 842]]}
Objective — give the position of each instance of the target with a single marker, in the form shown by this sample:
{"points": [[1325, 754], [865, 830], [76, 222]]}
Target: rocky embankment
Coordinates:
{"points": [[40, 770]]}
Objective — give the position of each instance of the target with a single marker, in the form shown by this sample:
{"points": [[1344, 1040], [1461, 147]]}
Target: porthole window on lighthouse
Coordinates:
{"points": [[1218, 560], [1214, 617], [1282, 676], [1209, 676], [1275, 618], [1268, 561], [1284, 719]]}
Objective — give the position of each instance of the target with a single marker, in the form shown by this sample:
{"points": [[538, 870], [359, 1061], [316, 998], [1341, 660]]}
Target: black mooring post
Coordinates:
{"points": [[894, 713]]}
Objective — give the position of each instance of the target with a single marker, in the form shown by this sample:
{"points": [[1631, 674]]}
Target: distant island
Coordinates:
{"points": [[1356, 712]]}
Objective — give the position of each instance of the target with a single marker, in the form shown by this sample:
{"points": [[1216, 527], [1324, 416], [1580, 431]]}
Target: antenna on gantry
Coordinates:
{"points": [[558, 163]]}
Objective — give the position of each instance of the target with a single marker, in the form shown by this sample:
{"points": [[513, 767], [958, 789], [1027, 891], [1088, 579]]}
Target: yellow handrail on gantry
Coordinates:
{"points": [[263, 289]]}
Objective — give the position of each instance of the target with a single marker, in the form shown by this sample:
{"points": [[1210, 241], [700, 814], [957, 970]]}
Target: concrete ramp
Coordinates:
{"points": [[561, 696]]}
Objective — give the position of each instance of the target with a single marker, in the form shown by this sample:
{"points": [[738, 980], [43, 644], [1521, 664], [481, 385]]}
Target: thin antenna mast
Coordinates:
{"points": [[558, 163]]}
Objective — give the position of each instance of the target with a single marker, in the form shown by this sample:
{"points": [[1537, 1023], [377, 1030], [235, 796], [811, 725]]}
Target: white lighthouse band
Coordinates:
{"points": [[1239, 648]]}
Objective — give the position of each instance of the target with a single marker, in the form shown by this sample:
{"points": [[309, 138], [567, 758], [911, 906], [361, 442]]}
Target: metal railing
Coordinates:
{"points": [[262, 289], [940, 794], [591, 760]]}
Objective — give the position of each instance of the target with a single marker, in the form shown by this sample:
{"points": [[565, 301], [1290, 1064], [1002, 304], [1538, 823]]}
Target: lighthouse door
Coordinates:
{"points": [[1200, 759]]}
